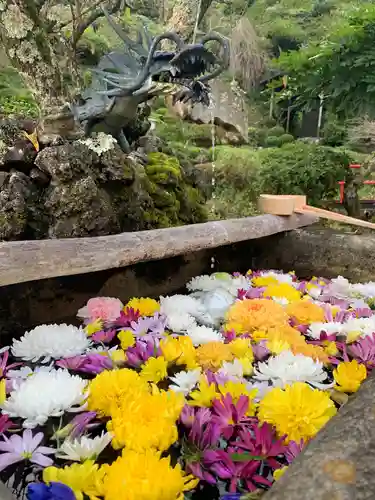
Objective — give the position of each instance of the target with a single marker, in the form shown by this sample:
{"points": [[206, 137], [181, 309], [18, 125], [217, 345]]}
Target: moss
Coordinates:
{"points": [[163, 169], [286, 138], [273, 141], [276, 131]]}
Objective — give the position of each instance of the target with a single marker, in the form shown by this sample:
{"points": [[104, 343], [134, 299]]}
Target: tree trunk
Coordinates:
{"points": [[34, 52], [185, 14]]}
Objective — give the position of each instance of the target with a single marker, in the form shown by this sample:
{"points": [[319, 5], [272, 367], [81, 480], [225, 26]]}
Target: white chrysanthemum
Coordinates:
{"points": [[25, 371], [281, 277], [366, 290], [315, 329], [362, 326], [203, 335], [84, 448], [180, 323], [281, 300], [51, 342], [225, 281], [286, 368], [215, 304], [185, 381], [340, 288], [314, 292], [44, 395], [234, 369]]}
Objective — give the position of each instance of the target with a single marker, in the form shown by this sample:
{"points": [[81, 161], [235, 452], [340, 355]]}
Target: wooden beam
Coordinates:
{"points": [[22, 261]]}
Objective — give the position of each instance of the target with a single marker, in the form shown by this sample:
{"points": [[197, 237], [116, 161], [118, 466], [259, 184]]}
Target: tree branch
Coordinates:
{"points": [[96, 14]]}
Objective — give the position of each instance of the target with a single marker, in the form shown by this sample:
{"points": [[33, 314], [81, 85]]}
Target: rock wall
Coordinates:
{"points": [[89, 187]]}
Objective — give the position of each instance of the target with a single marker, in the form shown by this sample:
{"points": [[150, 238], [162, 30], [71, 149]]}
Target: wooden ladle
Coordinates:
{"points": [[290, 204]]}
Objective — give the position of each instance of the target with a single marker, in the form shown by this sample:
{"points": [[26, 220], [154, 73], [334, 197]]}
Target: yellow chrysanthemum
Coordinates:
{"points": [[179, 350], [277, 345], [204, 395], [247, 366], [145, 306], [147, 421], [256, 314], [109, 389], [262, 281], [3, 393], [282, 290], [237, 328], [349, 375], [330, 348], [238, 389], [146, 476], [282, 333], [84, 479], [118, 357], [305, 312], [212, 355], [155, 369], [297, 411], [94, 327], [278, 473], [353, 336], [241, 348], [126, 339]]}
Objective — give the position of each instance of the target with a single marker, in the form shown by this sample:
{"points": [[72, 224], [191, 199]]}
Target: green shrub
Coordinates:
{"points": [[334, 133], [276, 131], [15, 98], [273, 142], [300, 168], [286, 138]]}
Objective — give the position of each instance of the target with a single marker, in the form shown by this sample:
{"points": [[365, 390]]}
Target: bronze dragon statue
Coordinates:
{"points": [[124, 80]]}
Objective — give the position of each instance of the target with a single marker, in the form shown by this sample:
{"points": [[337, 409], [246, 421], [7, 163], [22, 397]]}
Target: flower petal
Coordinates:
{"points": [[40, 459], [7, 459]]}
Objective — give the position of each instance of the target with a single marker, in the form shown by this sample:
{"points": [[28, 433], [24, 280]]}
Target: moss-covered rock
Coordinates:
{"points": [[163, 169]]}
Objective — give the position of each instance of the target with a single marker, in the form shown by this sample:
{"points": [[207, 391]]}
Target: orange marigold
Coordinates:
{"points": [[257, 314], [305, 312], [313, 351]]}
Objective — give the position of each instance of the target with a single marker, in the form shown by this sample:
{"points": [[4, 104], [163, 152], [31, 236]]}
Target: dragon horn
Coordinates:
{"points": [[226, 55], [145, 73]]}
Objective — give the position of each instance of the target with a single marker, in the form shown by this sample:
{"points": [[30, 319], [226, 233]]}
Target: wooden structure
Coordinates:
{"points": [[22, 261]]}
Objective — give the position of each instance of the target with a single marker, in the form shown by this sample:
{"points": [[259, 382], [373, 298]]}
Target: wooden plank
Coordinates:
{"points": [[22, 261]]}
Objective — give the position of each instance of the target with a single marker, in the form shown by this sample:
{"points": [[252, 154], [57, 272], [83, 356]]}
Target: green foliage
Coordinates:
{"points": [[286, 139], [334, 133], [272, 141], [276, 131], [341, 65], [15, 99], [301, 168]]}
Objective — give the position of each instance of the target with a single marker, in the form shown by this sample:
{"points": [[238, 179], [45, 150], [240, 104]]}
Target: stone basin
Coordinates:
{"points": [[337, 464]]}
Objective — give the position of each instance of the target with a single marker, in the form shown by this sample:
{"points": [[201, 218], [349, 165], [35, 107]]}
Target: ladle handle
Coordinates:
{"points": [[326, 214]]}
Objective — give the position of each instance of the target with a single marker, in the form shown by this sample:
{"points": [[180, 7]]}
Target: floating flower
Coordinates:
{"points": [[287, 367], [85, 448], [204, 395], [185, 381], [53, 491], [109, 389], [45, 394], [349, 375], [227, 413], [78, 425], [155, 369], [211, 356], [204, 335], [316, 330], [147, 421], [104, 336], [17, 449], [239, 389], [298, 411], [179, 350], [241, 348], [282, 291], [89, 363], [84, 479], [145, 306], [305, 312], [126, 338], [94, 327], [51, 342], [364, 351], [107, 309], [142, 351], [358, 327], [279, 472], [256, 314], [293, 450], [130, 476]]}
